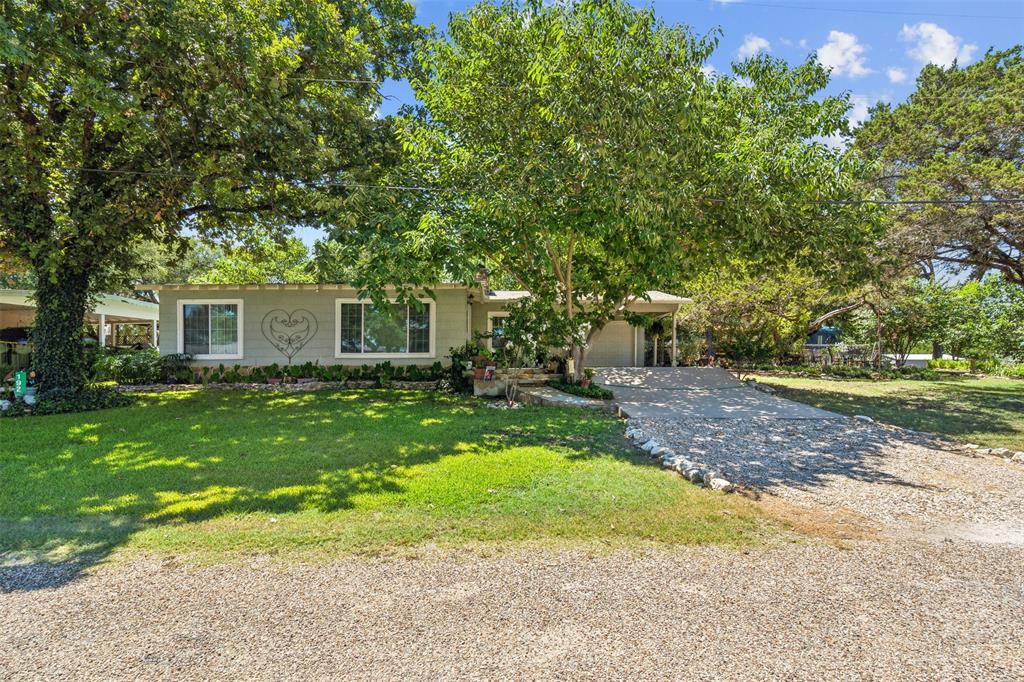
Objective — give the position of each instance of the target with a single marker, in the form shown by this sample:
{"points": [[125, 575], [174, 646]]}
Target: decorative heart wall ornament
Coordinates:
{"points": [[289, 332]]}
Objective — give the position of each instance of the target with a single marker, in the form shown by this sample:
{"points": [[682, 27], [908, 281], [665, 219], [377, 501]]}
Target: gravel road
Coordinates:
{"points": [[873, 610]]}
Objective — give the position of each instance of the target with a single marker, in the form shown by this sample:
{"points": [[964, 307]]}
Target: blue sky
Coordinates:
{"points": [[876, 48]]}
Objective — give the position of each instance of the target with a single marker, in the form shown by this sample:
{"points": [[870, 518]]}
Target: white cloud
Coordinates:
{"points": [[708, 70], [844, 55], [896, 75], [859, 113], [727, 2], [933, 44], [752, 44], [803, 43]]}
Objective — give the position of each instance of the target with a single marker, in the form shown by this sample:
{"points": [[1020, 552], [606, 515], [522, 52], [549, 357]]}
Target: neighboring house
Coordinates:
{"points": [[826, 336], [262, 324]]}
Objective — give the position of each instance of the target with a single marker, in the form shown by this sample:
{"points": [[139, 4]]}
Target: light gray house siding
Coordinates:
{"points": [[311, 315], [450, 323]]}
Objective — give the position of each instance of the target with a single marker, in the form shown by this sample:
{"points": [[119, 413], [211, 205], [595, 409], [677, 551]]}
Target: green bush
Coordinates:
{"points": [[61, 401], [128, 367], [949, 363], [591, 391]]}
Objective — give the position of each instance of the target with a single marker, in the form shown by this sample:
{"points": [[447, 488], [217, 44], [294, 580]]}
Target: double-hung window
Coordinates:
{"points": [[399, 330], [210, 329]]}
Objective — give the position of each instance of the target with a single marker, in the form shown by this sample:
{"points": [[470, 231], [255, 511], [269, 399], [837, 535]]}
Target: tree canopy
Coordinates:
{"points": [[125, 124], [959, 136], [582, 151]]}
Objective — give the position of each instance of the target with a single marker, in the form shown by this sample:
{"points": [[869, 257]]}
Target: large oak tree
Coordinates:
{"points": [[127, 122], [958, 137]]}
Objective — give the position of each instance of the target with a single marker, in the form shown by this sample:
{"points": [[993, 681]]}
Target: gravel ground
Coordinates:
{"points": [[875, 610], [903, 481]]}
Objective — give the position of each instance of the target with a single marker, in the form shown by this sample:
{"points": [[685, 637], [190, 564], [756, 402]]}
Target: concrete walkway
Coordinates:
{"points": [[696, 392]]}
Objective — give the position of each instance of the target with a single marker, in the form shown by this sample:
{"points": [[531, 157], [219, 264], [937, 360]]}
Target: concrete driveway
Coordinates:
{"points": [[704, 392]]}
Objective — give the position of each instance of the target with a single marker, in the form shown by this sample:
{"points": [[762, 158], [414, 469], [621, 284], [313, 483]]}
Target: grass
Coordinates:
{"points": [[986, 411], [227, 473]]}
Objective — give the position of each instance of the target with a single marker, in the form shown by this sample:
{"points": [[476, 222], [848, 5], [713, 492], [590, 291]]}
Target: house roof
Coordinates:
{"points": [[516, 294], [256, 286], [497, 295]]}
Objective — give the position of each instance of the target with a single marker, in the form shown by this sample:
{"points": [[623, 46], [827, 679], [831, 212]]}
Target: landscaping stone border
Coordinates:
{"points": [[286, 388], [671, 460]]}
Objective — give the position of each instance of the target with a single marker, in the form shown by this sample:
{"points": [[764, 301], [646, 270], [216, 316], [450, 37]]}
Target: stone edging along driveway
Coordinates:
{"points": [[676, 462]]}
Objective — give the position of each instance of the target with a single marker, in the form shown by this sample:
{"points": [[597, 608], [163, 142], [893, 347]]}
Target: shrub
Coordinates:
{"points": [[129, 367], [591, 391], [60, 401], [949, 363]]}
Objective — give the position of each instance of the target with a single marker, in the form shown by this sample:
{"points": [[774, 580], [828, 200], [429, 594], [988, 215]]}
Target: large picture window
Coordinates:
{"points": [[210, 330], [398, 330]]}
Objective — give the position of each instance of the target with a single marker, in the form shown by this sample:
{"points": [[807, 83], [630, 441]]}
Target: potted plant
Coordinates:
{"points": [[484, 358], [587, 378]]}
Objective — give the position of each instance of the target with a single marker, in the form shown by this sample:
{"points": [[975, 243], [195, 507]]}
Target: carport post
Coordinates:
{"points": [[674, 316], [103, 330], [153, 337]]}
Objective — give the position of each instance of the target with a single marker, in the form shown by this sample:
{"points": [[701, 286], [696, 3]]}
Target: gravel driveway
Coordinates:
{"points": [[875, 610], [898, 481]]}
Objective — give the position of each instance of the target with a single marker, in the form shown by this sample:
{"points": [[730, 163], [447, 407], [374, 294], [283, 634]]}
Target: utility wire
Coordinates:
{"points": [[420, 188]]}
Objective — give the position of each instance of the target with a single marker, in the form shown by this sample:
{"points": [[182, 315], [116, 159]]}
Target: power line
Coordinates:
{"points": [[420, 188], [851, 10]]}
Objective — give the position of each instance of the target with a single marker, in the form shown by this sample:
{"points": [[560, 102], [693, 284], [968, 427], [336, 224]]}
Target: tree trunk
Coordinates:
{"points": [[937, 351], [58, 356]]}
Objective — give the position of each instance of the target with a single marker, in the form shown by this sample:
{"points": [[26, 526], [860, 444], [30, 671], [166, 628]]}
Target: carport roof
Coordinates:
{"points": [[116, 308]]}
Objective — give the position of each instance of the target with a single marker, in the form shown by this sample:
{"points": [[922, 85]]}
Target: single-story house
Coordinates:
{"points": [[263, 324]]}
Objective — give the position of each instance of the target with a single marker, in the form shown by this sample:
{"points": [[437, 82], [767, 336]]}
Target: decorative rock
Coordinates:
{"points": [[661, 451], [694, 475], [864, 418], [721, 484], [1019, 457], [649, 445]]}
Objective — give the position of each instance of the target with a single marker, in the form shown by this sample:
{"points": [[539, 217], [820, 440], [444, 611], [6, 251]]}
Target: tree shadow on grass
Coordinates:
{"points": [[76, 487], [957, 410]]}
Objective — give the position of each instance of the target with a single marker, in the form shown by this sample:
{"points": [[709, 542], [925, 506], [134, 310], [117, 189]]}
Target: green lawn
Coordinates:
{"points": [[225, 473], [985, 411]]}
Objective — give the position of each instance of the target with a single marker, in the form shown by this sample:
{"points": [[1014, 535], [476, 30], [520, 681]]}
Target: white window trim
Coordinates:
{"points": [[491, 314], [431, 353], [210, 301]]}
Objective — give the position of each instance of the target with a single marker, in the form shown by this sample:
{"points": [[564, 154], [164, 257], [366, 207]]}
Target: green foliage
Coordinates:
{"points": [[592, 391], [261, 261], [59, 401], [958, 136], [381, 374], [982, 320], [129, 367], [579, 150], [125, 126], [949, 363]]}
